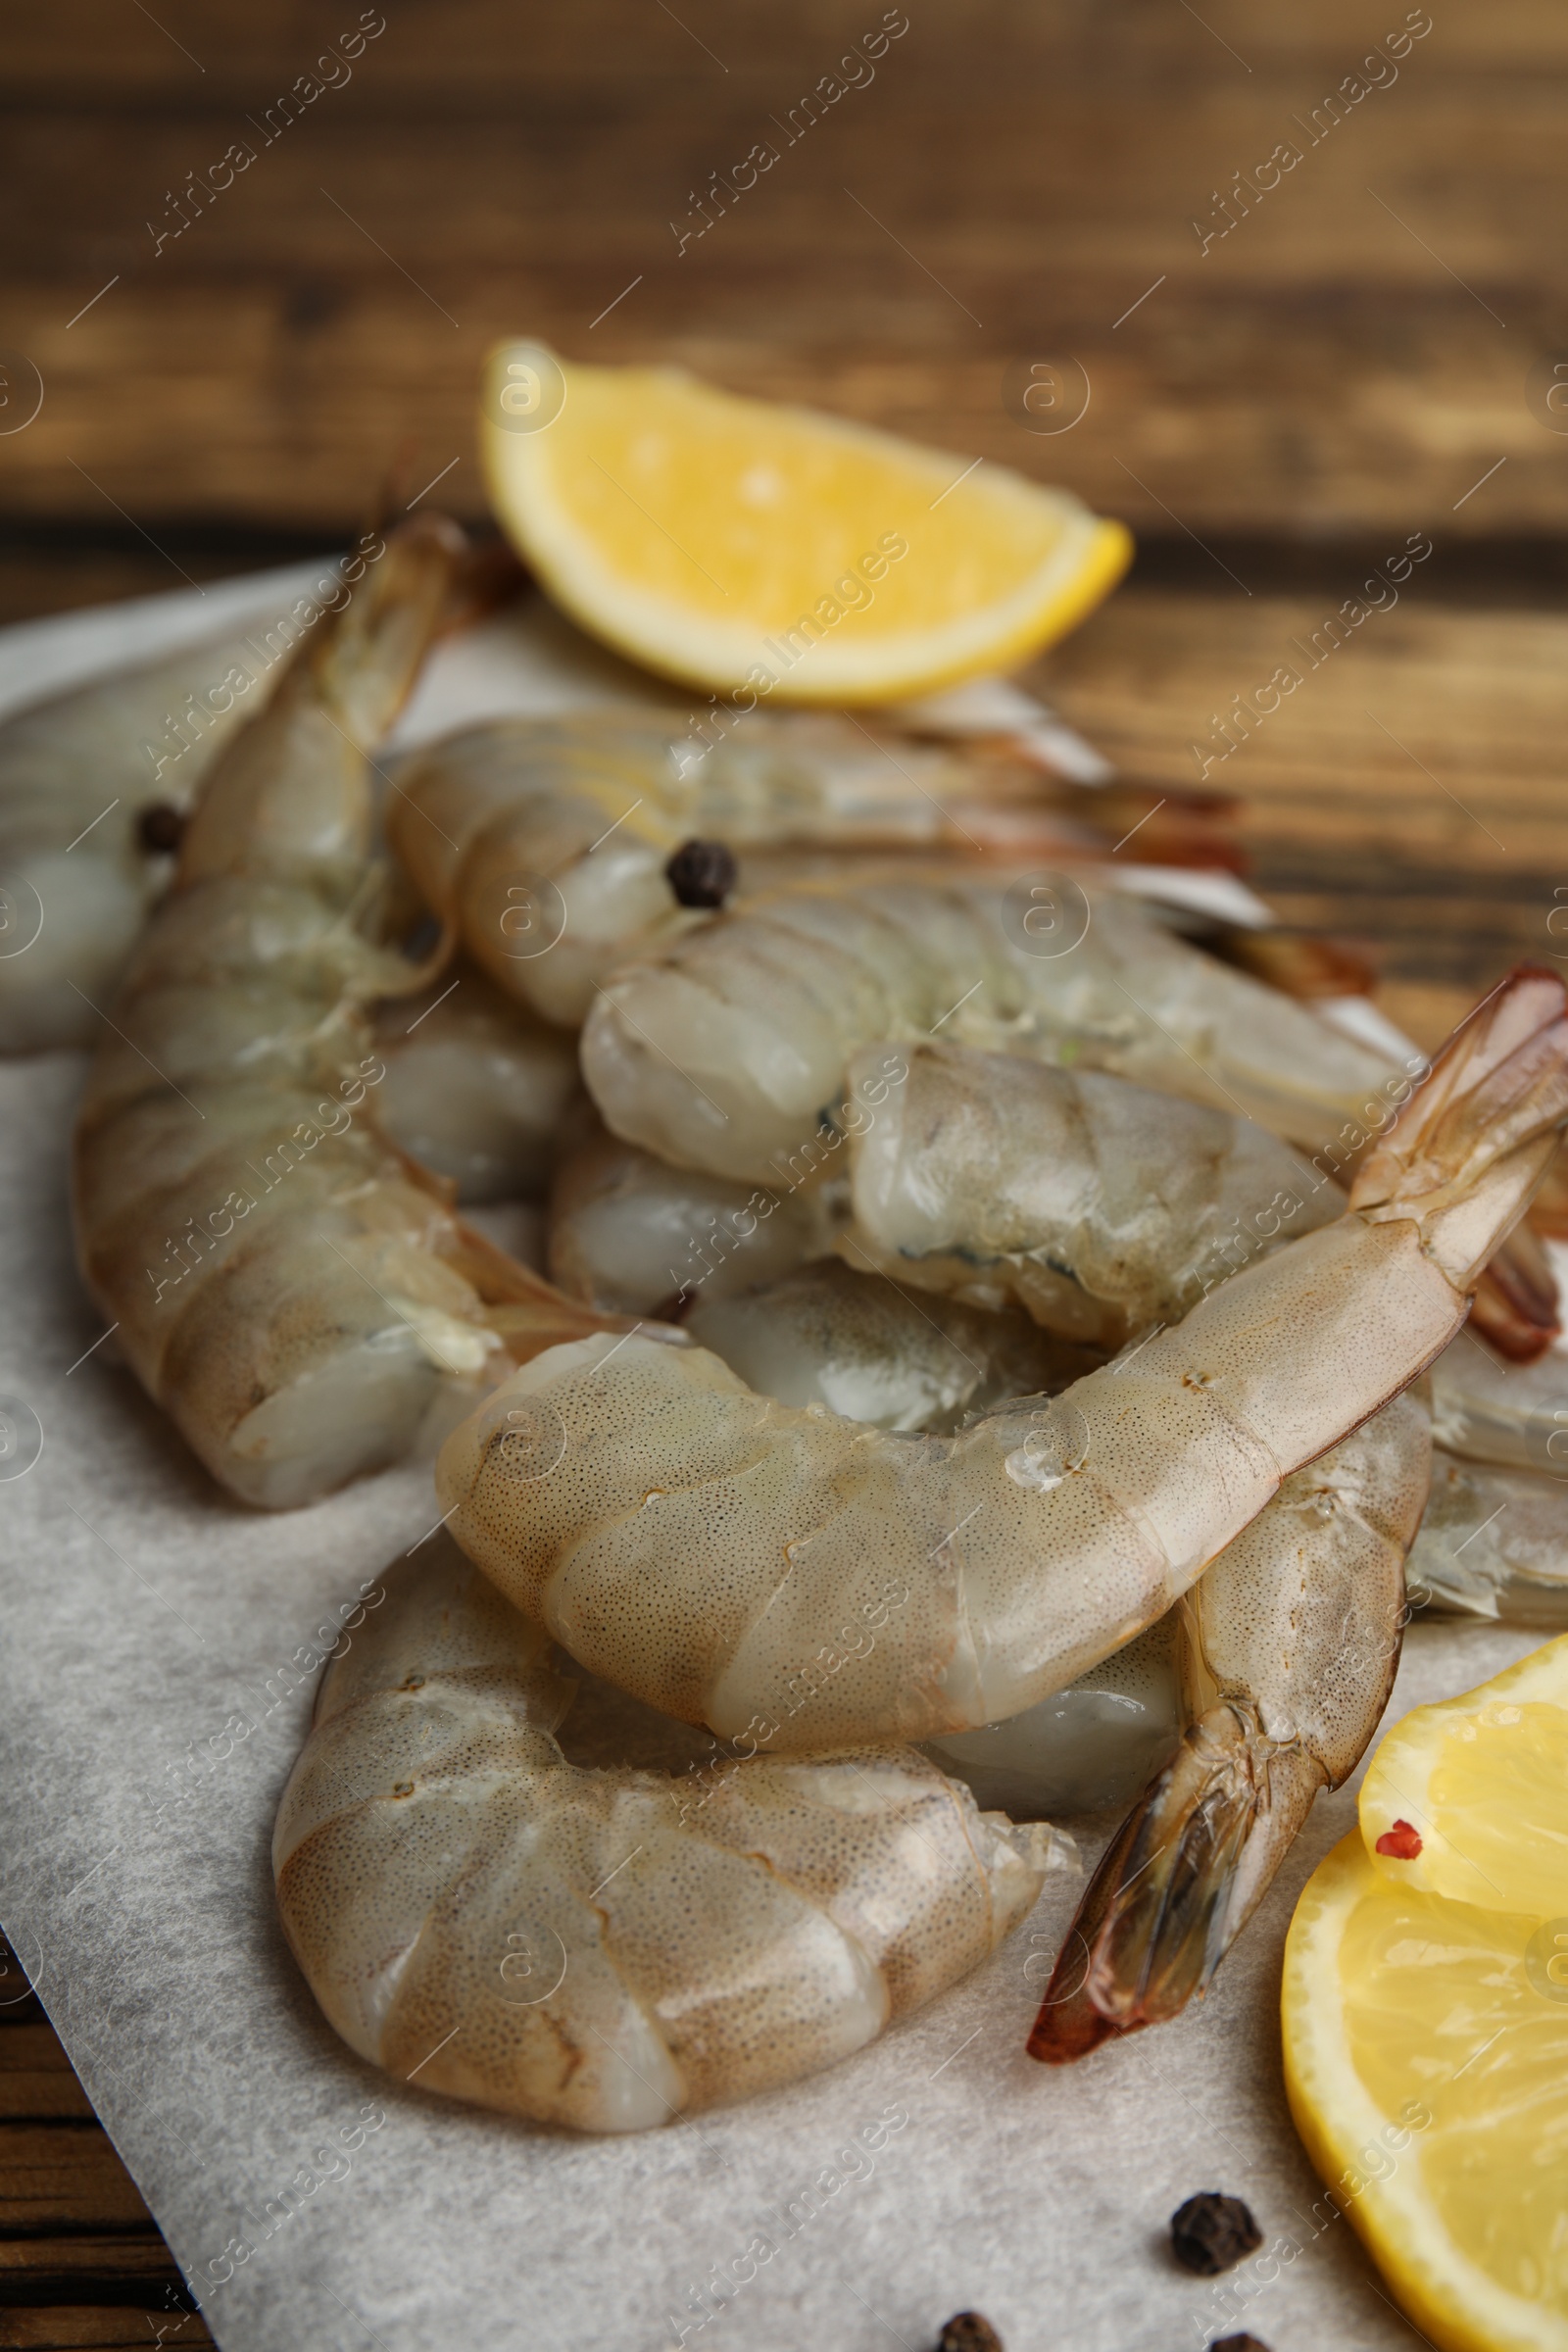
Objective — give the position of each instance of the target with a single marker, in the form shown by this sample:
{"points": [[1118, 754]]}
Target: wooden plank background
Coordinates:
{"points": [[1365, 355], [1018, 172]]}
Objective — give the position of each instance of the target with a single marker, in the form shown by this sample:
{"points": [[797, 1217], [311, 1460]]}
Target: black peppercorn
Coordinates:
{"points": [[701, 874], [1211, 2232], [160, 828], [967, 2332], [1238, 2343]]}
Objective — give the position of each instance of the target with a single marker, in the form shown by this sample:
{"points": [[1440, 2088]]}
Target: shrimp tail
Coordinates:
{"points": [[1178, 1882], [412, 592], [1465, 1155]]}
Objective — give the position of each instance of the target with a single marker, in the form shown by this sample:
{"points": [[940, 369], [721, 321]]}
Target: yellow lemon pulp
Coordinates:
{"points": [[1482, 1781], [762, 551], [1426, 2032]]}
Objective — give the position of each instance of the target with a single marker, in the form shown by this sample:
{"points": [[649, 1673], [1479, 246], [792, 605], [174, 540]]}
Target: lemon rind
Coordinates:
{"points": [[1451, 2297]]}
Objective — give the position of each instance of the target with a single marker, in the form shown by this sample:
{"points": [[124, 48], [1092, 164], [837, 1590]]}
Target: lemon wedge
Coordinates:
{"points": [[760, 550], [1425, 2011]]}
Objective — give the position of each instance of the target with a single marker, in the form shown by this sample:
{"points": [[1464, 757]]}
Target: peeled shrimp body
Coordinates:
{"points": [[805, 1578], [1494, 1543], [629, 1232], [546, 841], [1099, 1206], [727, 1050], [1289, 1645], [860, 1346], [607, 1949], [475, 1089], [294, 1292], [1087, 1748], [75, 877]]}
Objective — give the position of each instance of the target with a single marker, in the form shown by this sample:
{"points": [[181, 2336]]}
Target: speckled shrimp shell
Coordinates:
{"points": [[728, 1049], [1099, 1206], [805, 1579], [297, 1295], [547, 841], [607, 1949]]}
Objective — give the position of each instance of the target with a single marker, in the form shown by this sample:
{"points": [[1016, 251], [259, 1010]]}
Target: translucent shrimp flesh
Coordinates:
{"points": [[548, 842], [608, 1948], [727, 1050], [78, 869], [295, 1293], [476, 1090], [1089, 1747], [1099, 1206], [1288, 1644], [862, 1347], [1494, 1543], [629, 1232], [802, 1578], [1513, 1415]]}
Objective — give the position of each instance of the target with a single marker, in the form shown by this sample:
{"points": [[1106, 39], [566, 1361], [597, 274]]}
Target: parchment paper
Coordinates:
{"points": [[157, 1673]]}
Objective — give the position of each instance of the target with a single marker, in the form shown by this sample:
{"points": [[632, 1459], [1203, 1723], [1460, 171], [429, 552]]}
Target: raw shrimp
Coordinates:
{"points": [[295, 1293], [82, 857], [548, 842], [1289, 1640], [629, 1232], [860, 1346], [1494, 1543], [475, 1090], [607, 1949], [1098, 1205], [1511, 1414], [735, 1561], [727, 1050]]}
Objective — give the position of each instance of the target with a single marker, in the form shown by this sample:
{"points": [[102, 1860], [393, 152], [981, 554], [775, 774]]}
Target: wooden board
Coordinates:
{"points": [[81, 2262], [1406, 792], [1014, 186]]}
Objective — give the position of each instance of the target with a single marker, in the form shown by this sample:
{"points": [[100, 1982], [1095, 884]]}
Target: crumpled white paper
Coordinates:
{"points": [[161, 1652]]}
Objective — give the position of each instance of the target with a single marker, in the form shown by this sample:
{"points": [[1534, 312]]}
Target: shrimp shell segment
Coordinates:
{"points": [[607, 1949]]}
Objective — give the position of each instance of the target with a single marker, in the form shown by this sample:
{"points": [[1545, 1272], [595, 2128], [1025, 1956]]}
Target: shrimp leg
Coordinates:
{"points": [[697, 1541], [608, 1949], [1293, 1639]]}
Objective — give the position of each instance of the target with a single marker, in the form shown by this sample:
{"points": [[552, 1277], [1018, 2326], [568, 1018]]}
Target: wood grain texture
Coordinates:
{"points": [[1353, 351], [1407, 792], [82, 2260]]}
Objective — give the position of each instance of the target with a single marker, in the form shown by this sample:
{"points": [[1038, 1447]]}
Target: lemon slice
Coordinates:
{"points": [[1425, 2011], [757, 551]]}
